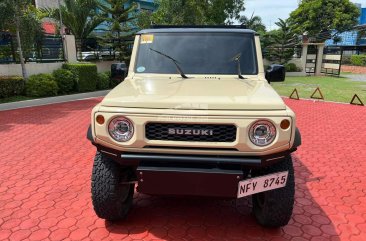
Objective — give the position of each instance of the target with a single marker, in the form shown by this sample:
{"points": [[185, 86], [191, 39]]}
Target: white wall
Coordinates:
{"points": [[104, 66], [297, 61], [32, 68], [47, 3], [39, 68]]}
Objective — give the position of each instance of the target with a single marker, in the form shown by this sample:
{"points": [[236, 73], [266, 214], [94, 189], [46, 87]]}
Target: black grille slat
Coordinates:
{"points": [[221, 133]]}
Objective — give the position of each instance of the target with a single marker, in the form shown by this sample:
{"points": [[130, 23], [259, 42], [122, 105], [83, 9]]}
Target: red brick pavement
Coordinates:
{"points": [[46, 161], [353, 69]]}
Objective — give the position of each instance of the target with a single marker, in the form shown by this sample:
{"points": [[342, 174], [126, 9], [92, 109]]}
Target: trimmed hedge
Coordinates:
{"points": [[87, 75], [11, 86], [358, 60], [41, 85], [65, 79], [103, 81], [346, 60]]}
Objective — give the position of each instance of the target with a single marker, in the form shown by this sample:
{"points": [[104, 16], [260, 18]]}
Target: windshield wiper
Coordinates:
{"points": [[237, 59], [174, 61]]}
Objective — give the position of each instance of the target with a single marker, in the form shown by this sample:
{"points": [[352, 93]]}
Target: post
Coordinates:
{"points": [[70, 51], [61, 31], [319, 61], [303, 57]]}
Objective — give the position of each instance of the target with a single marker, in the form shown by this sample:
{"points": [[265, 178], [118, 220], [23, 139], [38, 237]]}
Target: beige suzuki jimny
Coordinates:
{"points": [[195, 116]]}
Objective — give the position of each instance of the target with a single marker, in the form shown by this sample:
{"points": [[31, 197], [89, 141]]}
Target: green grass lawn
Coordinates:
{"points": [[337, 89]]}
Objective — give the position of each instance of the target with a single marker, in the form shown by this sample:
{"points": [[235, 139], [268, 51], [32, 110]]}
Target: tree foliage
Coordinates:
{"points": [[197, 12], [254, 22], [30, 25], [280, 43], [19, 17], [319, 17], [144, 19], [78, 16], [119, 16]]}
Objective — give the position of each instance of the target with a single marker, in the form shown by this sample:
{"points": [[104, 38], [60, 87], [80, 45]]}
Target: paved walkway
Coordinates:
{"points": [[356, 77], [46, 162], [52, 100]]}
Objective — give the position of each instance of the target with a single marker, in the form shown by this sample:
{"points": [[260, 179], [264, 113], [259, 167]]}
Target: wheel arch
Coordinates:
{"points": [[297, 141]]}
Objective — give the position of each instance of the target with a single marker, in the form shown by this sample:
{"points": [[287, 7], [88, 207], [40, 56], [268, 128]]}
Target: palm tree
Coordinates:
{"points": [[254, 23], [80, 17], [119, 15], [284, 41]]}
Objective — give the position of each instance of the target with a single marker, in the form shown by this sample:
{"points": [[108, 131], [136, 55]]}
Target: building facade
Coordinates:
{"points": [[47, 3], [352, 38]]}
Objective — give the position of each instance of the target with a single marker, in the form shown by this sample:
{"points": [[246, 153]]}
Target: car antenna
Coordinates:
{"points": [[174, 61]]}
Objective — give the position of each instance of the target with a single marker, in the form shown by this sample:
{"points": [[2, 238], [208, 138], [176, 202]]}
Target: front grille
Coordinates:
{"points": [[190, 132]]}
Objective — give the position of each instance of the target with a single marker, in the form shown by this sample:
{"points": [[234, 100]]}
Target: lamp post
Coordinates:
{"points": [[59, 10], [61, 30]]}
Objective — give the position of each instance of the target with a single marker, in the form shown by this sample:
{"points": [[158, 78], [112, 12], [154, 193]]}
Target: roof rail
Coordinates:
{"points": [[200, 26]]}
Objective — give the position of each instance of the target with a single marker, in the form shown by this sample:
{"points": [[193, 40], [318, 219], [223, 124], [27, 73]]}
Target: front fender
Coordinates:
{"points": [[297, 141], [89, 134]]}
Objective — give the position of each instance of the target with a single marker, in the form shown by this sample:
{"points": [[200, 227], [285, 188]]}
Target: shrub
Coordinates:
{"points": [[103, 81], [65, 79], [11, 86], [87, 75], [41, 85], [291, 67], [346, 60], [358, 60]]}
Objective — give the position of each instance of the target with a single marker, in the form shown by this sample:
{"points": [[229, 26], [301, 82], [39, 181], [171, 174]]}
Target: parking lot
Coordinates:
{"points": [[46, 162]]}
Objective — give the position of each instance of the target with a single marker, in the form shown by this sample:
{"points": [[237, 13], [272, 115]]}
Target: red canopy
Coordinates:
{"points": [[49, 28]]}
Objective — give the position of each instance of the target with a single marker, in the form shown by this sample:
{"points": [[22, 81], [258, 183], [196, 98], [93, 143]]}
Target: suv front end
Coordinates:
{"points": [[204, 124]]}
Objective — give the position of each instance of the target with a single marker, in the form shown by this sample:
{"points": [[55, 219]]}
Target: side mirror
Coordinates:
{"points": [[276, 73]]}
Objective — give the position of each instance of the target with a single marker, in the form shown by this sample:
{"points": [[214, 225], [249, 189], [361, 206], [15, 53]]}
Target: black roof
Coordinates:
{"points": [[197, 29]]}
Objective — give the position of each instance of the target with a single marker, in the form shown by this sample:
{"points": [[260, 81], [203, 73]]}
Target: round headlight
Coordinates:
{"points": [[121, 129], [262, 133]]}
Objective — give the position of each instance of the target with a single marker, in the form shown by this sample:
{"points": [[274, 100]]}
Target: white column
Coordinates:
{"points": [[319, 61], [303, 56], [70, 48]]}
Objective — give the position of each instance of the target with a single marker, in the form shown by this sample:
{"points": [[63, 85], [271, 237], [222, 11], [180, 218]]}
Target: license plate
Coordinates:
{"points": [[262, 184]]}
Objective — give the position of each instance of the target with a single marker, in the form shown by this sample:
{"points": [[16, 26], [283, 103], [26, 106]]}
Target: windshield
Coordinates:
{"points": [[197, 53]]}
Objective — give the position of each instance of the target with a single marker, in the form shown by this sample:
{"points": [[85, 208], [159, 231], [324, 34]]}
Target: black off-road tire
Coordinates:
{"points": [[111, 198], [274, 208]]}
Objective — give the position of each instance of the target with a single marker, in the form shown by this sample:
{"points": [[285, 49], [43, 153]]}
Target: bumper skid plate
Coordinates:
{"points": [[187, 181]]}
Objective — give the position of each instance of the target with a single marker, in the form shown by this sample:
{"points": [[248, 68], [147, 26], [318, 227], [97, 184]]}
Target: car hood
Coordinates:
{"points": [[211, 93]]}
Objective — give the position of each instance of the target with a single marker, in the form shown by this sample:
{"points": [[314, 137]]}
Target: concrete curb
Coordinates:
{"points": [[323, 101], [52, 100]]}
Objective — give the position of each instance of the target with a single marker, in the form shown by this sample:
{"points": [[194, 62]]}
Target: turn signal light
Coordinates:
{"points": [[100, 119], [285, 124]]}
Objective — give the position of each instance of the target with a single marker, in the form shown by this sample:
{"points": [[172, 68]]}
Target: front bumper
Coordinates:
{"points": [[193, 175], [212, 161], [190, 175]]}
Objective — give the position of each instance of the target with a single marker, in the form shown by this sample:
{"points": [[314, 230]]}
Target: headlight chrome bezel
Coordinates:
{"points": [[119, 135], [266, 139]]}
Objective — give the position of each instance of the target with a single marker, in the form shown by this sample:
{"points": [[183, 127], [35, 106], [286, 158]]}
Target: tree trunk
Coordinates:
{"points": [[22, 63]]}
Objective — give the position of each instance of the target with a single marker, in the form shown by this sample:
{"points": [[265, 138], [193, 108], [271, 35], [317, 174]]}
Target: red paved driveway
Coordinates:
{"points": [[46, 161]]}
